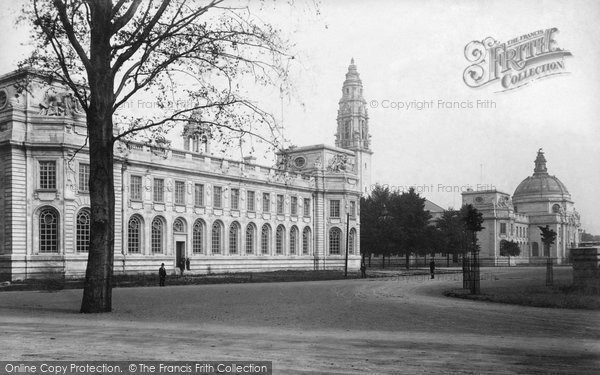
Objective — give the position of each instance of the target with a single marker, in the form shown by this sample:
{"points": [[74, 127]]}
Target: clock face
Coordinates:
{"points": [[479, 199], [3, 98], [299, 162]]}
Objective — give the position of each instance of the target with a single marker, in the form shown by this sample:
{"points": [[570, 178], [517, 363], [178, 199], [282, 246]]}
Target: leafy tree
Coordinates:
{"points": [[588, 237], [509, 248], [433, 241], [472, 220], [181, 50], [452, 234], [376, 225], [410, 221], [548, 237]]}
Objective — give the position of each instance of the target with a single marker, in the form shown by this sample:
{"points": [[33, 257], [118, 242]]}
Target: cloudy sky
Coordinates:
{"points": [[414, 51]]}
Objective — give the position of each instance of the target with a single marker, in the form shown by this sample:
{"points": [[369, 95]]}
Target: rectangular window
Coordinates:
{"points": [[334, 208], [235, 199], [502, 228], [47, 175], [266, 202], [512, 229], [280, 204], [135, 188], [352, 209], [306, 206], [294, 206], [84, 177], [199, 195], [179, 192], [217, 197], [250, 196], [159, 190]]}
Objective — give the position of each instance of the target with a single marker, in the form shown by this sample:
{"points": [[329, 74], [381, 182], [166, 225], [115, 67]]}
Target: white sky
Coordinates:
{"points": [[413, 50]]}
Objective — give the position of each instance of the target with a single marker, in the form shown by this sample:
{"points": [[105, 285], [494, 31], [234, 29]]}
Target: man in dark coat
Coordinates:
{"points": [[162, 274], [432, 268], [363, 270], [181, 265]]}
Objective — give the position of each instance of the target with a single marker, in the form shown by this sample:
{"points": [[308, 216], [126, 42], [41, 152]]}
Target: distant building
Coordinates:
{"points": [[539, 200], [222, 214], [435, 211]]}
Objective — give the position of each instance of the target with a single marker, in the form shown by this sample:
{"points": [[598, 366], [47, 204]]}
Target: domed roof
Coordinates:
{"points": [[541, 184]]}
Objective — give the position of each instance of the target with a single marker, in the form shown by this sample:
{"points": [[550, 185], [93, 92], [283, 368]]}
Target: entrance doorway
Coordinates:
{"points": [[179, 253]]}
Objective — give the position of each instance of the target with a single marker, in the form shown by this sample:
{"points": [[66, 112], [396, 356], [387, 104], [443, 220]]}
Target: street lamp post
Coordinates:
{"points": [[347, 237]]}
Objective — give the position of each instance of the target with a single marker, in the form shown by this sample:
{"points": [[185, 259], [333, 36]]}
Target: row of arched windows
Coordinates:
{"points": [[251, 241], [48, 230], [295, 244]]}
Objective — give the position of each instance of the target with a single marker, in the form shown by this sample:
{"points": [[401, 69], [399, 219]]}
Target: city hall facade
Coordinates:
{"points": [[223, 215]]}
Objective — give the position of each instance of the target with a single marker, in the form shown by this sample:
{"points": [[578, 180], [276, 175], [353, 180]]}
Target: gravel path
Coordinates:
{"points": [[396, 325]]}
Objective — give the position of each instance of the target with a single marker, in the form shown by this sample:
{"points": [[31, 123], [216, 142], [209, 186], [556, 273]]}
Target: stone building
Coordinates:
{"points": [[224, 215], [539, 200]]}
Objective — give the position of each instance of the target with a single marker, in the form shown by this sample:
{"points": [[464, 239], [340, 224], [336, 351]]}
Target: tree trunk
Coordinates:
{"points": [[382, 261], [549, 272], [97, 292]]}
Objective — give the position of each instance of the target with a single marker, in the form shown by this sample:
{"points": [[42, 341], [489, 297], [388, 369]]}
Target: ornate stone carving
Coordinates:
{"points": [[56, 103], [339, 163]]}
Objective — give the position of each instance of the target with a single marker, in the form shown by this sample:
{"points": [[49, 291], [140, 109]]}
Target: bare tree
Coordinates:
{"points": [[193, 57]]}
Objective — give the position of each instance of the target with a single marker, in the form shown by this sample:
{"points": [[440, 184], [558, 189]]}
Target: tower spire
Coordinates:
{"points": [[353, 125], [353, 120]]}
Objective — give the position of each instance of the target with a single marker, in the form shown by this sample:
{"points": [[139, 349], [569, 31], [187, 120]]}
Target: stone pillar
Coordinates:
{"points": [[586, 268]]}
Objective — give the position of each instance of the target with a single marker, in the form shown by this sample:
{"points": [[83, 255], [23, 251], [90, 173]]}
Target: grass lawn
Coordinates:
{"points": [[533, 292]]}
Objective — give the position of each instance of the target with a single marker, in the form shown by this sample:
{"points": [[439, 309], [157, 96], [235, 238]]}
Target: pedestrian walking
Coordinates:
{"points": [[162, 274], [363, 270], [432, 268], [187, 264]]}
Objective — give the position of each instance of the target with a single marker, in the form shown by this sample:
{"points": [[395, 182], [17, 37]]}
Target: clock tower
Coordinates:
{"points": [[353, 125]]}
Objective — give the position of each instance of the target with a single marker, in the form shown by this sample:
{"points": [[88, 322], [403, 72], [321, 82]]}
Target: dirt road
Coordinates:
{"points": [[397, 325]]}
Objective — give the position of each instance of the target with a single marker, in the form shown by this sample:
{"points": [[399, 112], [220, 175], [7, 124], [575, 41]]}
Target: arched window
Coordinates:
{"points": [[48, 230], [134, 235], [195, 143], [179, 226], [352, 241], [293, 240], [279, 237], [158, 235], [265, 239], [535, 251], [83, 231], [216, 235], [250, 234], [198, 237], [335, 235], [306, 241], [234, 237]]}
